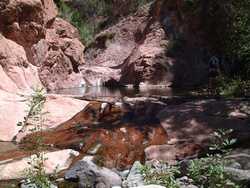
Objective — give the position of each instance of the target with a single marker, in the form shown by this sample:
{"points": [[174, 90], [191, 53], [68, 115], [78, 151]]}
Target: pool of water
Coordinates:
{"points": [[118, 92], [7, 146]]}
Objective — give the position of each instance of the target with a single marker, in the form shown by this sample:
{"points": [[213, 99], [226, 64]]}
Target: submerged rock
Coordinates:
{"points": [[90, 175]]}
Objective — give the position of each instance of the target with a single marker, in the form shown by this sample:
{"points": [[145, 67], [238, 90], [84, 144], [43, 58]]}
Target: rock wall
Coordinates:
{"points": [[16, 72], [37, 49], [51, 45], [159, 44]]}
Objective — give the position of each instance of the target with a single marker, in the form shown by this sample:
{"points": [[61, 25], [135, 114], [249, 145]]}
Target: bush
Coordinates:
{"points": [[165, 177], [236, 87], [222, 141], [209, 172], [34, 120], [85, 29], [36, 174]]}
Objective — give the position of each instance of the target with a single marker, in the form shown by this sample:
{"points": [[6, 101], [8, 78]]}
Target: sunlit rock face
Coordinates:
{"points": [[37, 50], [17, 74], [58, 56], [55, 161], [12, 111], [57, 110], [49, 43], [23, 21]]}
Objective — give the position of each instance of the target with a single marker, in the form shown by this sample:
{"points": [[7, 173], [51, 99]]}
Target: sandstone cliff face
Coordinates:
{"points": [[37, 49], [140, 48], [50, 44], [16, 73]]}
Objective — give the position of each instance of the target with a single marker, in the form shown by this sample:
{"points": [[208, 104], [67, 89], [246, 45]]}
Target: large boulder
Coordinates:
{"points": [[172, 153], [100, 75], [195, 120], [57, 110], [238, 166], [91, 175], [12, 111], [135, 178], [54, 161]]}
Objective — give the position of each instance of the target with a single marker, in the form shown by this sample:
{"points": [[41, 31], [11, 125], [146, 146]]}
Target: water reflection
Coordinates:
{"points": [[118, 92], [7, 146]]}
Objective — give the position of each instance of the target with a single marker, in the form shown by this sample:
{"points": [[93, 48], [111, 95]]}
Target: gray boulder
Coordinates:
{"points": [[28, 184], [90, 175], [239, 165], [150, 186], [186, 182], [135, 177], [239, 175]]}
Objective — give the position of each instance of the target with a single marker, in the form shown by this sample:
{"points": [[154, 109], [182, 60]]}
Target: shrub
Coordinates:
{"points": [[35, 174], [206, 172], [165, 177], [86, 30], [235, 87], [209, 172], [222, 141]]}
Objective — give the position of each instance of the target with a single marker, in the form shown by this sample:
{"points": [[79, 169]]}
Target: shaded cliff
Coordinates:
{"points": [[160, 44]]}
